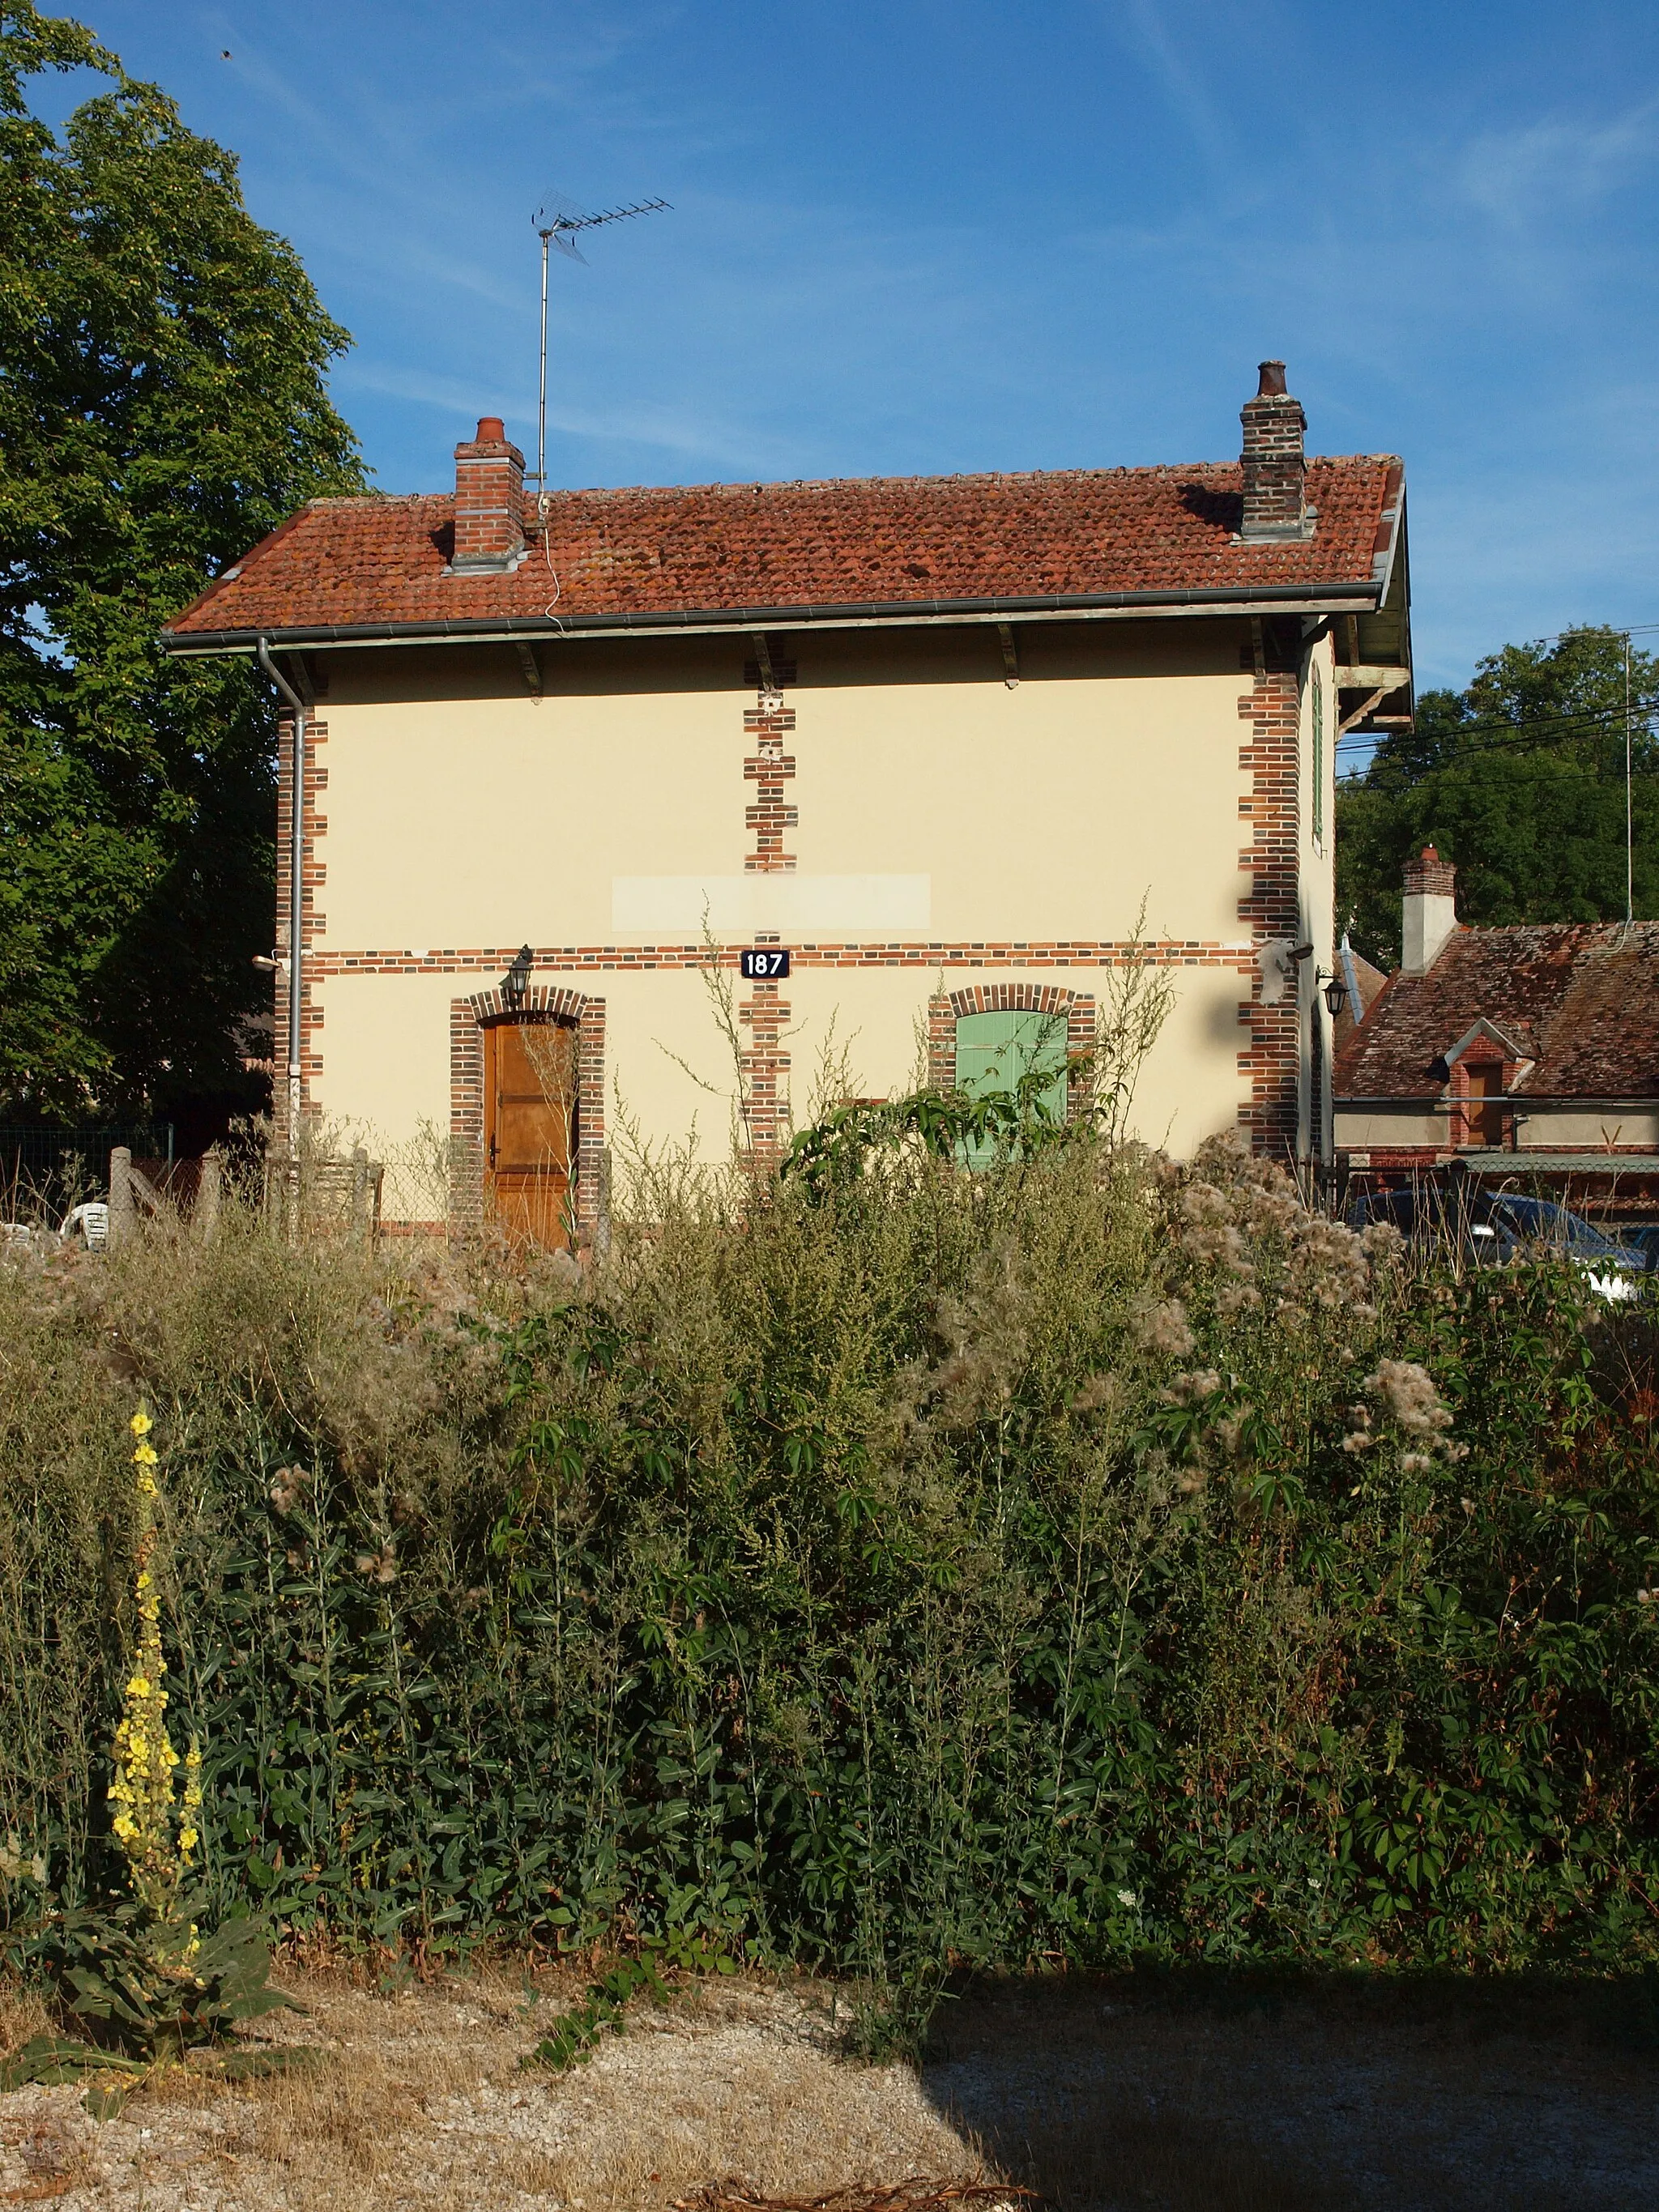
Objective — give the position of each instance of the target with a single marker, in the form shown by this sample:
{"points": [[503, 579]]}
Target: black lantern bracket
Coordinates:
{"points": [[515, 984]]}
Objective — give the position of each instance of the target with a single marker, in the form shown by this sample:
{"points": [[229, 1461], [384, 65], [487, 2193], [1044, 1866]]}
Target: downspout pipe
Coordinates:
{"points": [[295, 890]]}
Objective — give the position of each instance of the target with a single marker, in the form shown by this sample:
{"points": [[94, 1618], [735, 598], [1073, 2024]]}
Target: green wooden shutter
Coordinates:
{"points": [[994, 1051]]}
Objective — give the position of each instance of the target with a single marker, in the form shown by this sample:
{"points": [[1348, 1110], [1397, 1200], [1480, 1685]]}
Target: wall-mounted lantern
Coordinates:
{"points": [[1336, 992], [515, 984]]}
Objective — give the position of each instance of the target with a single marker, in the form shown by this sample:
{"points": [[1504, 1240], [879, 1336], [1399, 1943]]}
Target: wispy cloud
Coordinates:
{"points": [[694, 433], [1519, 177], [1149, 34]]}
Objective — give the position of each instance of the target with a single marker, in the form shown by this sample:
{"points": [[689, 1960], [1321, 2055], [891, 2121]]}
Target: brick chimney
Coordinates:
{"points": [[1428, 912], [1275, 467], [489, 503]]}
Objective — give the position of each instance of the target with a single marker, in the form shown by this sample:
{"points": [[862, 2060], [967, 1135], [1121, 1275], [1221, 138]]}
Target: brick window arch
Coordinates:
{"points": [[469, 1017], [947, 1009]]}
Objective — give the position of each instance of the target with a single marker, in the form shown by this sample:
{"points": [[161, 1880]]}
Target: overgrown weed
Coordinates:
{"points": [[1091, 1559]]}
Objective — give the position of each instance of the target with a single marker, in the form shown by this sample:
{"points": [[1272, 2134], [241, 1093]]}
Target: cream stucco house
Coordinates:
{"points": [[938, 741]]}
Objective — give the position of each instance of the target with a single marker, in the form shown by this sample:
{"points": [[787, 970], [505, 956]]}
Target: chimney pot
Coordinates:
{"points": [[1428, 911], [1274, 462], [489, 502]]}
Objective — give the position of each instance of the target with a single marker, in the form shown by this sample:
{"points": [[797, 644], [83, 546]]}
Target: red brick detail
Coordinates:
{"points": [[980, 953], [765, 1064], [1273, 463], [1465, 1115], [1429, 874], [770, 768], [313, 874], [765, 1073], [468, 1019], [946, 1008], [489, 501], [1271, 758]]}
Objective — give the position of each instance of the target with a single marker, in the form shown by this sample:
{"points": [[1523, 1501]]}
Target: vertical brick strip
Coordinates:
{"points": [[467, 1163], [765, 1013], [314, 876], [1271, 758], [769, 768], [765, 1071]]}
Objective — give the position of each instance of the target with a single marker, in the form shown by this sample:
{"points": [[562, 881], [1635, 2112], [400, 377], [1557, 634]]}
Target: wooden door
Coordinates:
{"points": [[530, 1111], [1484, 1114]]}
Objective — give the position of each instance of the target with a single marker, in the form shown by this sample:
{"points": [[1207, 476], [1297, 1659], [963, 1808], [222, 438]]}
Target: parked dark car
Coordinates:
{"points": [[1491, 1228], [1641, 1236]]}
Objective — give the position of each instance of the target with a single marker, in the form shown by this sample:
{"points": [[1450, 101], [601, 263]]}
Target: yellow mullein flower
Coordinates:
{"points": [[157, 1852]]}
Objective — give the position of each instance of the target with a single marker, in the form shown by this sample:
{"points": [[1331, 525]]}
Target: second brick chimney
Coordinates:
{"points": [[489, 503], [1428, 912], [1275, 466]]}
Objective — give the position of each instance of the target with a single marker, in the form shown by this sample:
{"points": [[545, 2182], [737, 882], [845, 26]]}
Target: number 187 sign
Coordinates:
{"points": [[764, 964]]}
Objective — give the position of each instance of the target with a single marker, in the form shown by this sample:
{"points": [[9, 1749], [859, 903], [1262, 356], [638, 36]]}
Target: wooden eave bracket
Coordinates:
{"points": [[1366, 676], [531, 667], [1348, 721], [1009, 654], [764, 661]]}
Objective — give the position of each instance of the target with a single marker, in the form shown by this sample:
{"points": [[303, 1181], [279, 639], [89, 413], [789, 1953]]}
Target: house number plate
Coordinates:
{"points": [[764, 964]]}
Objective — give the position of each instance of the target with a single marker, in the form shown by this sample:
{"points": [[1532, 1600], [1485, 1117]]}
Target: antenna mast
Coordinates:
{"points": [[558, 222]]}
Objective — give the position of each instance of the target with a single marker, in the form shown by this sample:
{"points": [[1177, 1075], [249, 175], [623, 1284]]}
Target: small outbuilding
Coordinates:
{"points": [[1529, 1056]]}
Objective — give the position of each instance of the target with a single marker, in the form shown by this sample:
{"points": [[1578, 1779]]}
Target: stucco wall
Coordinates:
{"points": [[462, 816]]}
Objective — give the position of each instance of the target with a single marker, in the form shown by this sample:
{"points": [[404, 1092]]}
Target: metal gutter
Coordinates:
{"points": [[1213, 600], [295, 891]]}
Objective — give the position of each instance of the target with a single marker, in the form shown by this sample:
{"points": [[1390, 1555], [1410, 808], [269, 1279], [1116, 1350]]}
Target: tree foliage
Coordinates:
{"points": [[1520, 780], [162, 406]]}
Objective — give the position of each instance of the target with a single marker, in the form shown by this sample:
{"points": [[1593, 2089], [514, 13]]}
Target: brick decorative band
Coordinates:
{"points": [[468, 1019], [572, 959]]}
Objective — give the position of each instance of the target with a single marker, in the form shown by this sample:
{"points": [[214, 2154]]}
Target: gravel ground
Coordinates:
{"points": [[1094, 2100]]}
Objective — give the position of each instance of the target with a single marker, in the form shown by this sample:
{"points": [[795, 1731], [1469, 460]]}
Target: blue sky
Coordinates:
{"points": [[914, 237]]}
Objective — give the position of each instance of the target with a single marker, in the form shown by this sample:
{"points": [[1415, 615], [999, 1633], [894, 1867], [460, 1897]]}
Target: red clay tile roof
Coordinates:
{"points": [[728, 549], [1580, 999]]}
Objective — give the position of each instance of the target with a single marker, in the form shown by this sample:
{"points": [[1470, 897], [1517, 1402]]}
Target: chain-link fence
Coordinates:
{"points": [[44, 1172]]}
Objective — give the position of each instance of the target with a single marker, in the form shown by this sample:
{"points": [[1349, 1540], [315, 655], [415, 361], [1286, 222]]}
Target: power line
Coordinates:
{"points": [[1584, 721], [1447, 775]]}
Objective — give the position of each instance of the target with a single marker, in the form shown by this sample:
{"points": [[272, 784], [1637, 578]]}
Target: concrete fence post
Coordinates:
{"points": [[210, 1188], [123, 1210]]}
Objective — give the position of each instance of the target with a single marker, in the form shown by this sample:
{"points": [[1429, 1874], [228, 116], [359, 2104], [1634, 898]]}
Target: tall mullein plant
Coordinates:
{"points": [[158, 1837]]}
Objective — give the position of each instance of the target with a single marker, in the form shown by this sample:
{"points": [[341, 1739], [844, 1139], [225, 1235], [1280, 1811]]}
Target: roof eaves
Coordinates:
{"points": [[1386, 544], [1214, 599]]}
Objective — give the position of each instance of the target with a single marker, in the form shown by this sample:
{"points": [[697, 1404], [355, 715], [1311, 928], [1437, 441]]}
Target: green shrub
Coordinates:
{"points": [[893, 1570]]}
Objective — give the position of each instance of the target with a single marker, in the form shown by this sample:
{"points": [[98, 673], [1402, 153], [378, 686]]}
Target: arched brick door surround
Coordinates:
{"points": [[468, 1019]]}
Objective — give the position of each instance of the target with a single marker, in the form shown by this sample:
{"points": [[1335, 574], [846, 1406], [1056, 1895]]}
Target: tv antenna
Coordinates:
{"points": [[557, 220]]}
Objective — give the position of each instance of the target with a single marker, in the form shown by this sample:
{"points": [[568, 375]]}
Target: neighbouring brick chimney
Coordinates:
{"points": [[489, 503], [1274, 464], [1428, 912]]}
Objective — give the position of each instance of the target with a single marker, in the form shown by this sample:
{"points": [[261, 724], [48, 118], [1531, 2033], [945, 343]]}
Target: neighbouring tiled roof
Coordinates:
{"points": [[1580, 999], [727, 547], [1369, 981]]}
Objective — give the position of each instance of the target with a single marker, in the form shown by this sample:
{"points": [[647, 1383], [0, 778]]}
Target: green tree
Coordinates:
{"points": [[1520, 780], [162, 406]]}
